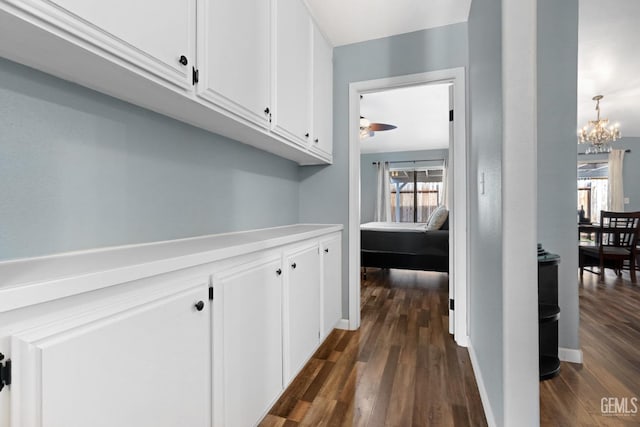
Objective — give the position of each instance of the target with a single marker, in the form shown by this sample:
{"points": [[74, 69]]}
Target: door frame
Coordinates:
{"points": [[458, 235]]}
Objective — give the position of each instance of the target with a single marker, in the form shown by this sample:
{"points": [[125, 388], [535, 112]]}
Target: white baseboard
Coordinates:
{"points": [[484, 397], [570, 355], [462, 341], [343, 324]]}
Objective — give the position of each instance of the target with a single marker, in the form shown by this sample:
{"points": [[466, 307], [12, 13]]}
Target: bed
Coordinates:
{"points": [[404, 245]]}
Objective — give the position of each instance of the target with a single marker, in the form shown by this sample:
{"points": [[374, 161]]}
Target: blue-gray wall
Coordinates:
{"points": [[79, 170], [557, 118], [369, 176], [630, 169], [485, 210], [324, 190]]}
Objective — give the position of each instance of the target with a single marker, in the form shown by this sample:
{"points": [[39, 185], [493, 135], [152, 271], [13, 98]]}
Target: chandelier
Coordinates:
{"points": [[598, 133]]}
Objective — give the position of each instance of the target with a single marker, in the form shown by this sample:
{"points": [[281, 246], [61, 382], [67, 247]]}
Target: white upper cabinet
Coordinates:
{"points": [[292, 70], [233, 56], [150, 37], [255, 71], [322, 95]]}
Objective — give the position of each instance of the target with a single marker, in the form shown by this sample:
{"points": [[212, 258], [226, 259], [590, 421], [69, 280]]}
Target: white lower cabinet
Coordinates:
{"points": [[302, 307], [120, 365], [331, 258], [212, 343], [247, 342]]}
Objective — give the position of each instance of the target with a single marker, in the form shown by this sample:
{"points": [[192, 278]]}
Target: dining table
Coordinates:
{"points": [[591, 230]]}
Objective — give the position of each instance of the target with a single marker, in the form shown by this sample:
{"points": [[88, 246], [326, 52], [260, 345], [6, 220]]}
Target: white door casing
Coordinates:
{"points": [[458, 235]]}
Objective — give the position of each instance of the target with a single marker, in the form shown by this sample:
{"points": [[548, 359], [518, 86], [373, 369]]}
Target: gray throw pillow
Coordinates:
{"points": [[438, 218]]}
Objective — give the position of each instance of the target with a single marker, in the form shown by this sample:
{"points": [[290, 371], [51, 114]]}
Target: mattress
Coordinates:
{"points": [[417, 227]]}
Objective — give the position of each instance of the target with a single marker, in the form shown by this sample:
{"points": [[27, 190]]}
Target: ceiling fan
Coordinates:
{"points": [[368, 129]]}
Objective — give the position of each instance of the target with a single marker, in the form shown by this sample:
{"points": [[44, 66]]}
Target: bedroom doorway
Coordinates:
{"points": [[453, 161]]}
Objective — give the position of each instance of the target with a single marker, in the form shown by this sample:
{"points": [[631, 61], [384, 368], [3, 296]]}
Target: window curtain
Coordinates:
{"points": [[445, 185], [383, 194], [616, 185]]}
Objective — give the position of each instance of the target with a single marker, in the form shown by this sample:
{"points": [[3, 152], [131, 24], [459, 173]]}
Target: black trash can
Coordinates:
{"points": [[548, 313]]}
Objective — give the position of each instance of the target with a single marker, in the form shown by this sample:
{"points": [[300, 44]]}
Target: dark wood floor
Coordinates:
{"points": [[610, 341], [401, 368]]}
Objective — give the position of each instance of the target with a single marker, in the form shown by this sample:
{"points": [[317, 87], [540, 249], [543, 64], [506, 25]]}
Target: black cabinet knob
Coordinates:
{"points": [[199, 305], [278, 272], [326, 250], [306, 135], [183, 60], [294, 265], [316, 140], [266, 110]]}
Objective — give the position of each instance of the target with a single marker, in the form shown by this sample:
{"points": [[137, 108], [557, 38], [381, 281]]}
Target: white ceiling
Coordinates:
{"points": [[609, 62], [352, 21], [420, 112]]}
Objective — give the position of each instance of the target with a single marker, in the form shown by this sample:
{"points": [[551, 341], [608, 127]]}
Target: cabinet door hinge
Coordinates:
{"points": [[451, 305], [195, 75], [210, 293], [5, 372]]}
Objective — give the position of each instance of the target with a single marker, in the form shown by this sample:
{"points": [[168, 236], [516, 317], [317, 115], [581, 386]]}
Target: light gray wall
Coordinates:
{"points": [[630, 169], [485, 219], [324, 190], [557, 118], [368, 175], [82, 170]]}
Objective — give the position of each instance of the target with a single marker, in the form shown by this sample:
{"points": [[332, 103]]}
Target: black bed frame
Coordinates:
{"points": [[427, 251]]}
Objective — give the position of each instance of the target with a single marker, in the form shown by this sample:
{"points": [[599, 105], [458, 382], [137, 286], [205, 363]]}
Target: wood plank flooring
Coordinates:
{"points": [[610, 341], [401, 368]]}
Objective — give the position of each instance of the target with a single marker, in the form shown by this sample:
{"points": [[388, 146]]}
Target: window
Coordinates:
{"points": [[593, 183], [415, 193]]}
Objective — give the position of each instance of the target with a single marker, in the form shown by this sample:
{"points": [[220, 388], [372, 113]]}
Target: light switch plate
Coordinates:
{"points": [[626, 200]]}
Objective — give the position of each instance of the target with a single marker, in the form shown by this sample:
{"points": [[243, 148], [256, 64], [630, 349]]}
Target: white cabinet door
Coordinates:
{"points": [[331, 288], [292, 71], [128, 364], [302, 310], [247, 343], [322, 95], [234, 58], [150, 36]]}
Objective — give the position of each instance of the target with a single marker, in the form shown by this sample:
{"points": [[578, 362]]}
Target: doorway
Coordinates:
{"points": [[457, 161]]}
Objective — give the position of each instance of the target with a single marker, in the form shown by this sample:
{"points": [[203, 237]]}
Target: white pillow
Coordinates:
{"points": [[438, 218]]}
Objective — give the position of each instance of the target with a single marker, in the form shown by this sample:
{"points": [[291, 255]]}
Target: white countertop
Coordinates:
{"points": [[34, 280]]}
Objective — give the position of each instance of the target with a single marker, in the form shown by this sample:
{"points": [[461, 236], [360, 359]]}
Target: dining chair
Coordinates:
{"points": [[615, 246]]}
